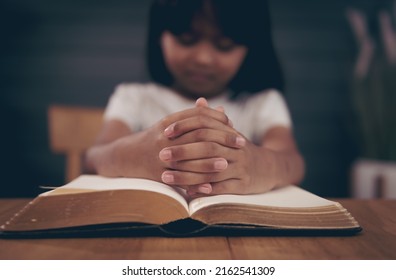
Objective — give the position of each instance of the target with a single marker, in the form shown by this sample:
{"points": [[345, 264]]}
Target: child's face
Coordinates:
{"points": [[202, 62]]}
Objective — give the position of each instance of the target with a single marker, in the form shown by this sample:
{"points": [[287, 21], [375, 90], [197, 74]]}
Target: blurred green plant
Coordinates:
{"points": [[374, 105], [373, 90]]}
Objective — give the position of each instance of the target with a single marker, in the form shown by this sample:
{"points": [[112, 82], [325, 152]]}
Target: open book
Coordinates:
{"points": [[92, 204]]}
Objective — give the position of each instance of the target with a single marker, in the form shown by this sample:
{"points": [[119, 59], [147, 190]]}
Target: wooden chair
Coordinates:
{"points": [[72, 130]]}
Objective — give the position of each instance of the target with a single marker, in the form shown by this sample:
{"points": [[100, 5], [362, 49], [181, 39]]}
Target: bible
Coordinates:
{"points": [[93, 205]]}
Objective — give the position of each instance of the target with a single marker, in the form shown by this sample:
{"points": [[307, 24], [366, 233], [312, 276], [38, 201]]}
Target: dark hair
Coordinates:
{"points": [[247, 22]]}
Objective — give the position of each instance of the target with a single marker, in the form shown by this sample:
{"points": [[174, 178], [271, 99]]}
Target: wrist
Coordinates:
{"points": [[108, 159], [272, 167], [287, 167], [104, 160], [125, 159]]}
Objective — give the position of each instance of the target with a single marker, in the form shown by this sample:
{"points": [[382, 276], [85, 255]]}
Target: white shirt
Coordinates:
{"points": [[140, 106]]}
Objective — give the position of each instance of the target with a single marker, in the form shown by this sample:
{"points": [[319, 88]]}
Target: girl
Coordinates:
{"points": [[220, 50]]}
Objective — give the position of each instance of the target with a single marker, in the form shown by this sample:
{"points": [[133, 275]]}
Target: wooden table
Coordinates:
{"points": [[377, 241]]}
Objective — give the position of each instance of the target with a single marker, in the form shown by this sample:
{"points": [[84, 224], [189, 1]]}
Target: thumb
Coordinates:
{"points": [[201, 102]]}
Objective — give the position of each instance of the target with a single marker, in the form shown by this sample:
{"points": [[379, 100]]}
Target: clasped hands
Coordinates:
{"points": [[201, 152]]}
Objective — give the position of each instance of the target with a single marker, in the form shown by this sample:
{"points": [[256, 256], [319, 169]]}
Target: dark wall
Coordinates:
{"points": [[76, 52], [317, 50]]}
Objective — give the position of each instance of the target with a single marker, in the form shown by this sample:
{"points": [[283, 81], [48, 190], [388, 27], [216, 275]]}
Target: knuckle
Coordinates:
{"points": [[220, 188], [212, 148], [177, 153], [244, 186], [209, 165], [201, 135], [225, 119], [209, 177], [207, 112], [222, 117], [174, 165], [159, 140], [164, 122], [201, 110], [201, 120], [244, 170], [230, 140], [177, 127]]}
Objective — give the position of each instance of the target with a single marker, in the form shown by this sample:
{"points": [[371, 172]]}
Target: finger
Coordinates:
{"points": [[192, 151], [230, 186], [199, 190], [199, 165], [200, 150], [181, 127], [196, 111], [202, 102], [220, 109], [194, 195], [228, 139], [184, 178], [194, 122]]}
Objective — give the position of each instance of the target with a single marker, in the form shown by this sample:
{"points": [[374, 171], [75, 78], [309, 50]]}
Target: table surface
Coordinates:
{"points": [[376, 241]]}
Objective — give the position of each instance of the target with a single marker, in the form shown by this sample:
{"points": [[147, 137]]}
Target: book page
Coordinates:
{"points": [[288, 196], [91, 183]]}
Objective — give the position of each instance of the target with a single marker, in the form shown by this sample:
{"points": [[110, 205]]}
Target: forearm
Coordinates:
{"points": [[123, 157], [99, 159], [287, 167]]}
